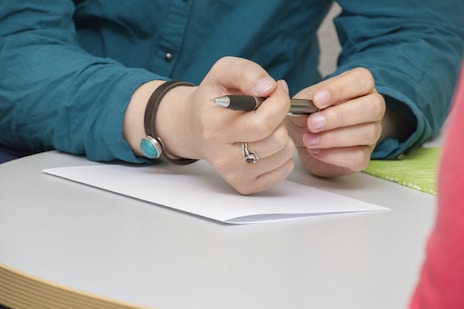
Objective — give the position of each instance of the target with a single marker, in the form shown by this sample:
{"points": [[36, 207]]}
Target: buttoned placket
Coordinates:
{"points": [[172, 37]]}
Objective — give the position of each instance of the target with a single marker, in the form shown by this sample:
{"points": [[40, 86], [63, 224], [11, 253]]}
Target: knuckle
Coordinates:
{"points": [[364, 76], [374, 105], [219, 63], [290, 167], [281, 142], [372, 133], [226, 61], [247, 188], [262, 127], [378, 126], [378, 106], [236, 180], [291, 147], [280, 136], [361, 159]]}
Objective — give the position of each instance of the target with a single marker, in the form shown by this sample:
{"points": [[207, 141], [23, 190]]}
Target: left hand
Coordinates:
{"points": [[339, 139]]}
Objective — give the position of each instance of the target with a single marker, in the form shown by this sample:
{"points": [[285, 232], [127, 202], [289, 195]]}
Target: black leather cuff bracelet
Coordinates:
{"points": [[151, 145]]}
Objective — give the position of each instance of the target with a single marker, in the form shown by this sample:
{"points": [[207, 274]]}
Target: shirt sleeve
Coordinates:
{"points": [[53, 94], [413, 49]]}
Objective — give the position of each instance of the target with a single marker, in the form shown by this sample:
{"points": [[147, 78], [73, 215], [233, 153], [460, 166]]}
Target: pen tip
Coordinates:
{"points": [[222, 101]]}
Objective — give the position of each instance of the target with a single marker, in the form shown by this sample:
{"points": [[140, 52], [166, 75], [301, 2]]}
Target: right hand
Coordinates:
{"points": [[215, 133]]}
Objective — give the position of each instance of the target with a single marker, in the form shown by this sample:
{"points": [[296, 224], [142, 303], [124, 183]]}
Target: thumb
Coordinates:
{"points": [[238, 75]]}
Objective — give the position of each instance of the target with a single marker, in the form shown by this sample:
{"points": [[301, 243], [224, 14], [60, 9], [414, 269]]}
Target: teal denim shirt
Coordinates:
{"points": [[69, 68]]}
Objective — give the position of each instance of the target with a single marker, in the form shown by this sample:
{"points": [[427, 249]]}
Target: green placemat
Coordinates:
{"points": [[417, 170]]}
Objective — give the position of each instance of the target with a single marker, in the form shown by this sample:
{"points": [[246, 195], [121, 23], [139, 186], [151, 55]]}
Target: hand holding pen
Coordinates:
{"points": [[252, 151]]}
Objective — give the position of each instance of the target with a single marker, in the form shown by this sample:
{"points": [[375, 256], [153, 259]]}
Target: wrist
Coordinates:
{"points": [[153, 145], [165, 125], [174, 122]]}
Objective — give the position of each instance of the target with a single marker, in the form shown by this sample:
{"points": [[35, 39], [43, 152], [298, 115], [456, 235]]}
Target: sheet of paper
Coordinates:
{"points": [[199, 190]]}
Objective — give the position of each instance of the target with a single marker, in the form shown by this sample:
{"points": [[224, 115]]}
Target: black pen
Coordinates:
{"points": [[250, 103]]}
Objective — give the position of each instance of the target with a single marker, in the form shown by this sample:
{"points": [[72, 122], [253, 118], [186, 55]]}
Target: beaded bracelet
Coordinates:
{"points": [[151, 145]]}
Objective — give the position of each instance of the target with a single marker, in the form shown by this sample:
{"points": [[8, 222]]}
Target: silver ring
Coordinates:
{"points": [[249, 155]]}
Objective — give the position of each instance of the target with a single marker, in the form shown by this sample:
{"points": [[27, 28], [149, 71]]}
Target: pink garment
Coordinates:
{"points": [[441, 283]]}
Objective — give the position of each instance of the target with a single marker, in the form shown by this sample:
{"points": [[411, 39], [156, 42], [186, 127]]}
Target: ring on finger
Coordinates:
{"points": [[250, 156]]}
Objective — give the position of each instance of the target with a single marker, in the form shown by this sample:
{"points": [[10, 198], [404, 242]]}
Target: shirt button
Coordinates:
{"points": [[168, 56]]}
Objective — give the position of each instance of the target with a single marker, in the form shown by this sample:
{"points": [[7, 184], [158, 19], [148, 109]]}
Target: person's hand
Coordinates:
{"points": [[215, 133], [339, 139]]}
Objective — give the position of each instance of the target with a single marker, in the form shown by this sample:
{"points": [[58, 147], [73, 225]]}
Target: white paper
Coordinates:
{"points": [[197, 189]]}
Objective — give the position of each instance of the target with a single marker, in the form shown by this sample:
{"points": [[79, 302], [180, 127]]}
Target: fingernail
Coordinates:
{"points": [[264, 85], [284, 86], [321, 98], [311, 139], [316, 122]]}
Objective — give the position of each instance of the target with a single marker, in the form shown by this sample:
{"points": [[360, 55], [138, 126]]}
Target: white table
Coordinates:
{"points": [[101, 244]]}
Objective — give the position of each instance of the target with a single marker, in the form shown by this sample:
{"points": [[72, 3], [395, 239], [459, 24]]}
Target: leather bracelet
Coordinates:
{"points": [[151, 145]]}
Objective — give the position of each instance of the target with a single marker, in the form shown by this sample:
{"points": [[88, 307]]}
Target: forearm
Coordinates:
{"points": [[55, 94], [75, 110]]}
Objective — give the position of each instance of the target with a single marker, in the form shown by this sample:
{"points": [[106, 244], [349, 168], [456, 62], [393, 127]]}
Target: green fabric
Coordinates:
{"points": [[417, 170]]}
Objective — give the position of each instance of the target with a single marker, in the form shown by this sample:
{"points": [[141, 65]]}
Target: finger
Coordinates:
{"points": [[238, 75], [230, 160], [349, 85], [270, 171], [261, 123], [354, 159], [321, 169], [265, 181], [249, 178], [271, 145], [271, 178], [368, 108], [365, 134], [270, 162]]}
